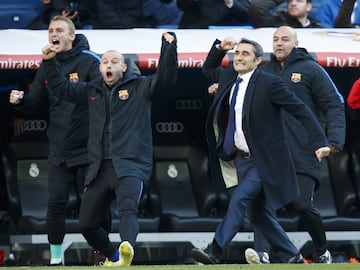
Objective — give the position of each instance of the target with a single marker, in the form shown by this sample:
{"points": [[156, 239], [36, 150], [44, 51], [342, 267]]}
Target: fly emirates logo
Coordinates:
{"points": [[22, 62], [342, 62], [339, 59], [190, 62]]}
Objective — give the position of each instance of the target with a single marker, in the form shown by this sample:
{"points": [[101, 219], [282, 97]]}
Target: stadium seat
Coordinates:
{"points": [[340, 176], [27, 182], [346, 218], [186, 193], [26, 177], [324, 196], [355, 162]]}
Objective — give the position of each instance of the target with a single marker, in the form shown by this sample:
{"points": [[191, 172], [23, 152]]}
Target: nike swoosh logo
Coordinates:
{"points": [[93, 98]]}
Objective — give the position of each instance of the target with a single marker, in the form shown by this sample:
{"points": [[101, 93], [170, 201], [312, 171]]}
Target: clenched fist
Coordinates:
{"points": [[16, 96], [168, 37], [48, 52], [322, 152]]}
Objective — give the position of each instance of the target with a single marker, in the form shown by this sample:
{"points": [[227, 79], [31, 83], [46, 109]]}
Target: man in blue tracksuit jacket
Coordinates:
{"points": [[68, 128], [120, 140]]}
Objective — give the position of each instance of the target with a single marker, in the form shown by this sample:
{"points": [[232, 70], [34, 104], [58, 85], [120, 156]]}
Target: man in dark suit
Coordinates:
{"points": [[248, 108]]}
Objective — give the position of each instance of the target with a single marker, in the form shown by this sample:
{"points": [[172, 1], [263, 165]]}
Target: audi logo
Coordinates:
{"points": [[35, 125], [188, 104], [169, 127]]}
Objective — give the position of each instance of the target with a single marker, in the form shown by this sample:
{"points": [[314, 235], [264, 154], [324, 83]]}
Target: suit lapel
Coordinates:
{"points": [[248, 99], [223, 96], [220, 107]]}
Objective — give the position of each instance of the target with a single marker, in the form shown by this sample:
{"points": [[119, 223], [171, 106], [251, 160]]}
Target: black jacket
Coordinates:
{"points": [[261, 15], [265, 101], [130, 113], [118, 14], [68, 122], [310, 82], [202, 13]]}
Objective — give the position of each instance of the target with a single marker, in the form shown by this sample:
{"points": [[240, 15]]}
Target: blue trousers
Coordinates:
{"points": [[98, 197], [249, 197]]}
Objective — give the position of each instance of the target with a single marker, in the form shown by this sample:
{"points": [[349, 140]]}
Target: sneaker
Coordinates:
{"points": [[126, 256], [207, 255], [126, 253], [254, 257], [98, 257], [296, 259], [326, 257], [55, 264], [108, 263]]}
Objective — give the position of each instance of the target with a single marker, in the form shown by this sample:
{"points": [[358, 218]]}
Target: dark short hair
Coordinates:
{"points": [[258, 50]]}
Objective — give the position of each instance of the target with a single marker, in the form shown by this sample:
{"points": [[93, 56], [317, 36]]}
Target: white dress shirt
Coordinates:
{"points": [[239, 137]]}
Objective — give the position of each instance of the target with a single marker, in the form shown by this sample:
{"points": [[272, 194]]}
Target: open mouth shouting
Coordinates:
{"points": [[55, 43], [109, 77]]}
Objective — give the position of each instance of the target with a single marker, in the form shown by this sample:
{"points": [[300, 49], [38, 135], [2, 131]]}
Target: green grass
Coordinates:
{"points": [[335, 266]]}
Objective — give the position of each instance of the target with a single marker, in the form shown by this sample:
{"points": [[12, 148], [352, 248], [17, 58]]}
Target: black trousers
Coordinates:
{"points": [[97, 198], [309, 215], [61, 180]]}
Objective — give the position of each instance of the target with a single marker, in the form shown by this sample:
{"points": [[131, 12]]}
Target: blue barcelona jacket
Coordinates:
{"points": [[130, 113], [310, 82], [68, 128]]}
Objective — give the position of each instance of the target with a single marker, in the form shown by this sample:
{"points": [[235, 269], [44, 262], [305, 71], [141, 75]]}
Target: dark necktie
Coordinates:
{"points": [[230, 129]]}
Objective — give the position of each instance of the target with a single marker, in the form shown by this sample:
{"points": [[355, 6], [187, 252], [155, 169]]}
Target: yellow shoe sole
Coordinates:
{"points": [[126, 253]]}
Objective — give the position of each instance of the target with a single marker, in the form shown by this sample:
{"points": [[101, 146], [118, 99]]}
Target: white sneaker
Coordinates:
{"points": [[254, 257], [326, 257]]}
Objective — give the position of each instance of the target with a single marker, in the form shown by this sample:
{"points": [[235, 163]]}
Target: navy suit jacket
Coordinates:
{"points": [[265, 99]]}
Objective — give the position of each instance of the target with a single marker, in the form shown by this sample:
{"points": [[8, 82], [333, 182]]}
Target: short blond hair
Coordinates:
{"points": [[67, 20]]}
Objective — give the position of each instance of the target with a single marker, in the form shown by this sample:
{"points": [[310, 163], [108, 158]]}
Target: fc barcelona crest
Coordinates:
{"points": [[123, 94], [296, 77], [74, 77]]}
